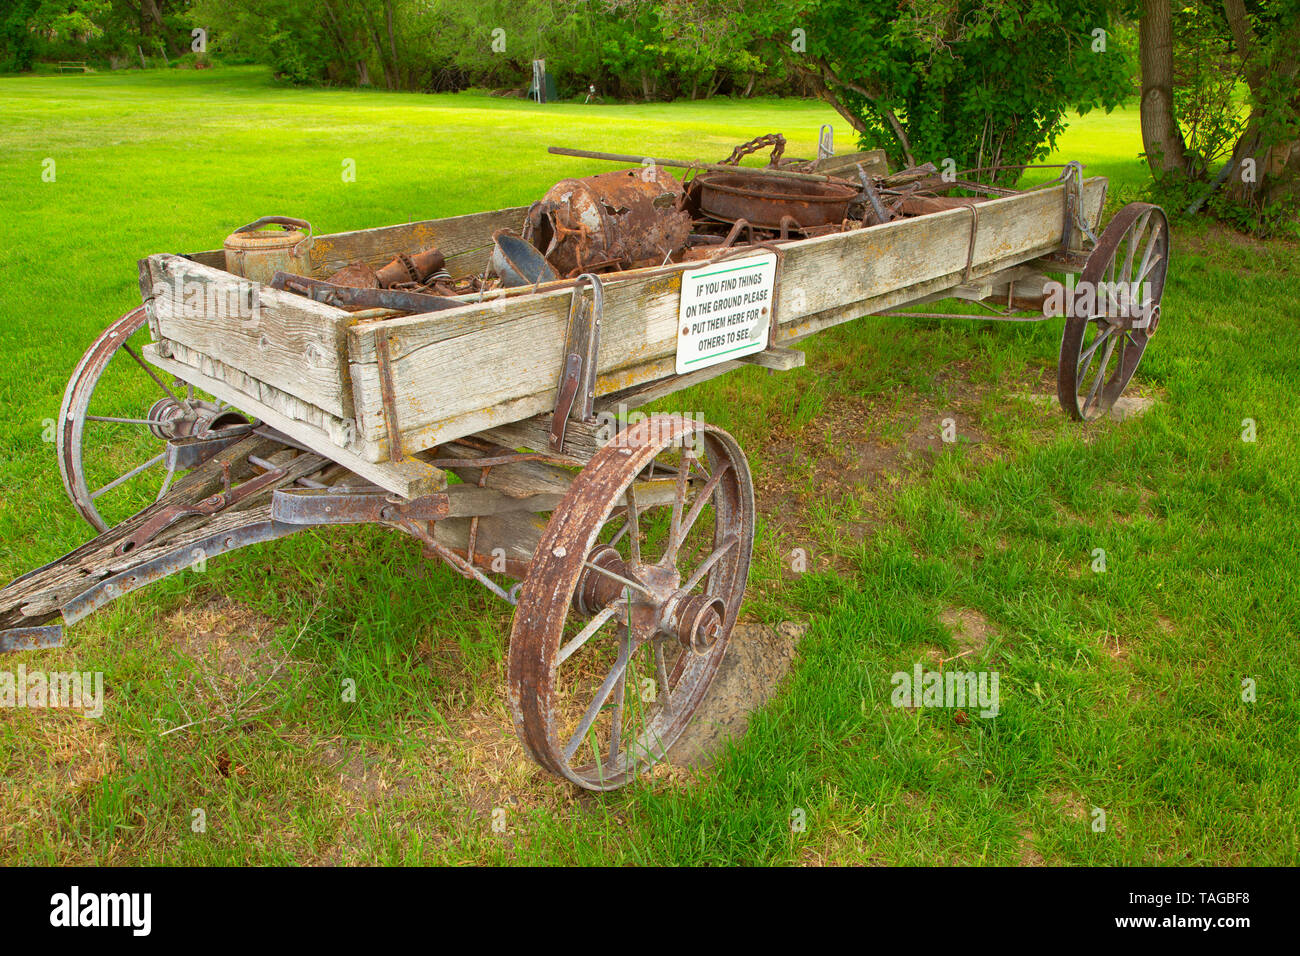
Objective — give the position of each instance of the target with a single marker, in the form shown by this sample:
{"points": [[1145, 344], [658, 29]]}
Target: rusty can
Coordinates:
{"points": [[252, 254], [623, 218]]}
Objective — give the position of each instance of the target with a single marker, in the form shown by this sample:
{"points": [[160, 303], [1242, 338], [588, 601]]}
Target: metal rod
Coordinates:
{"points": [[683, 164]]}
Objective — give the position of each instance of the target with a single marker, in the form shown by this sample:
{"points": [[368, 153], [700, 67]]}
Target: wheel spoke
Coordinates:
{"points": [[633, 517], [728, 543], [594, 625], [661, 674], [1148, 266], [702, 499], [640, 588], [1101, 377], [602, 694], [145, 365], [616, 731], [129, 475], [1135, 236], [1085, 359], [679, 500]]}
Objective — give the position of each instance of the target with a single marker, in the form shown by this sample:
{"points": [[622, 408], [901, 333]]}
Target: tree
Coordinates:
{"points": [[1196, 57], [987, 83]]}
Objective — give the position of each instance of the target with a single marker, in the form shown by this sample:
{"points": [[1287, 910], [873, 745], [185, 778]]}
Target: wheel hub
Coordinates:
{"points": [[657, 607], [174, 420]]}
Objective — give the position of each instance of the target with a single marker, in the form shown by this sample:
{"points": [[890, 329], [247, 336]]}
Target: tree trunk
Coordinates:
{"points": [[1162, 140], [392, 39], [1265, 161]]}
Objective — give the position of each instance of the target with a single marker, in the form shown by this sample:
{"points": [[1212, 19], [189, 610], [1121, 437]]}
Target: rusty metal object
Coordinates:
{"points": [[518, 262], [576, 394], [208, 506], [764, 203], [610, 220], [15, 639], [1132, 255], [355, 275], [659, 604], [414, 269], [775, 140], [328, 506], [403, 271], [357, 299], [256, 255]]}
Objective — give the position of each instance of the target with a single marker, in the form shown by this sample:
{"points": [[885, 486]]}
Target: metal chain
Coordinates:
{"points": [[775, 140]]}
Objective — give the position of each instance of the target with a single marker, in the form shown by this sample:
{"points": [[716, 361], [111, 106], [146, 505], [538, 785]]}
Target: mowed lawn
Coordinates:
{"points": [[1161, 697]]}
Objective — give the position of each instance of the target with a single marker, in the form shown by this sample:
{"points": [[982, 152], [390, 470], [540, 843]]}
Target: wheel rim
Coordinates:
{"points": [[625, 614], [110, 457], [1104, 342]]}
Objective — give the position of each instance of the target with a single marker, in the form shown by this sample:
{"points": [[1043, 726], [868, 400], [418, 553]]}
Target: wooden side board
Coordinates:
{"points": [[487, 364], [286, 340], [465, 241]]}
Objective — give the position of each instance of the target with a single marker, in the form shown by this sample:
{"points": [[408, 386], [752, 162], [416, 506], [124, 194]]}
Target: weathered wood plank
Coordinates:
{"points": [[409, 478], [777, 360], [484, 365], [292, 342], [465, 241]]}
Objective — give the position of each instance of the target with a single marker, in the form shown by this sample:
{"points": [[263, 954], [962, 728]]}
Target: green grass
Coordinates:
{"points": [[1119, 691]]}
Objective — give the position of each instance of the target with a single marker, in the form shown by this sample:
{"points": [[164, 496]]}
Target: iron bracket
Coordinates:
{"points": [[576, 395]]}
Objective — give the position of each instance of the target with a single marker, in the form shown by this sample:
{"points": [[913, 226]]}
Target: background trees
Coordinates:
{"points": [[986, 83]]}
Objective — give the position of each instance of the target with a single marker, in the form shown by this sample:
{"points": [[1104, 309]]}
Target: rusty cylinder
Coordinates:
{"points": [[624, 218]]}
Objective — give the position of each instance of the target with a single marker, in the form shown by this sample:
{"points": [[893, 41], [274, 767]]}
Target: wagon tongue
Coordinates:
{"points": [[221, 505]]}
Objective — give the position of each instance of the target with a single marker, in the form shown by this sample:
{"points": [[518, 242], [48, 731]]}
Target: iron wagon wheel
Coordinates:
{"points": [[1115, 313], [111, 460], [629, 602]]}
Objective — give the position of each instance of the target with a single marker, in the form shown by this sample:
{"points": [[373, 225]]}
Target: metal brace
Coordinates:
{"points": [[328, 506], [1072, 177], [576, 395]]}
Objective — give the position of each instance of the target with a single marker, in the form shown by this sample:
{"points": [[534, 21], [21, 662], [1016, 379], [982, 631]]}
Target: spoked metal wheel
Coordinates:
{"points": [[1104, 338], [630, 599], [112, 456]]}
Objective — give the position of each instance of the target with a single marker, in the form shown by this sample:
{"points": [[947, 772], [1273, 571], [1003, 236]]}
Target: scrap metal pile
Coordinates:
{"points": [[648, 217]]}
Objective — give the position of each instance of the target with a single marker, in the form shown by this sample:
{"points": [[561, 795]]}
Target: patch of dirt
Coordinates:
{"points": [[230, 637], [1029, 855], [875, 445], [757, 659], [970, 629], [1070, 804]]}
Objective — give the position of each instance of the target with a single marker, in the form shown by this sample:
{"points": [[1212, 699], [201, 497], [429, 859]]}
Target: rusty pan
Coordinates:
{"points": [[765, 202]]}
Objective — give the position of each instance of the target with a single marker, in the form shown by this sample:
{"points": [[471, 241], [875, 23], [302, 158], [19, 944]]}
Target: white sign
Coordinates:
{"points": [[725, 312]]}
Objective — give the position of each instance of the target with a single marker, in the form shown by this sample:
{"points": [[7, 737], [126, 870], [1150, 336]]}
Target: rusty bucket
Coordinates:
{"points": [[256, 255], [766, 201]]}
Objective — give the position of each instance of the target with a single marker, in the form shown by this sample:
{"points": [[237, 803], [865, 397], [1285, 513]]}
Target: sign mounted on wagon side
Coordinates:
{"points": [[725, 311]]}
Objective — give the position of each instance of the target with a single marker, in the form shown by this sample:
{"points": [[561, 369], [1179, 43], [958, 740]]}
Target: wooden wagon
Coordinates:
{"points": [[493, 432]]}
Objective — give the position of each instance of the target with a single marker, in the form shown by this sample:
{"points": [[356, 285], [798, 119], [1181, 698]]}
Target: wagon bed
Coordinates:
{"points": [[314, 371]]}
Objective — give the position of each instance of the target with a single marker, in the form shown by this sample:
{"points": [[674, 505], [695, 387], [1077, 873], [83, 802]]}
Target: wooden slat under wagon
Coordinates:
{"points": [[488, 364]]}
